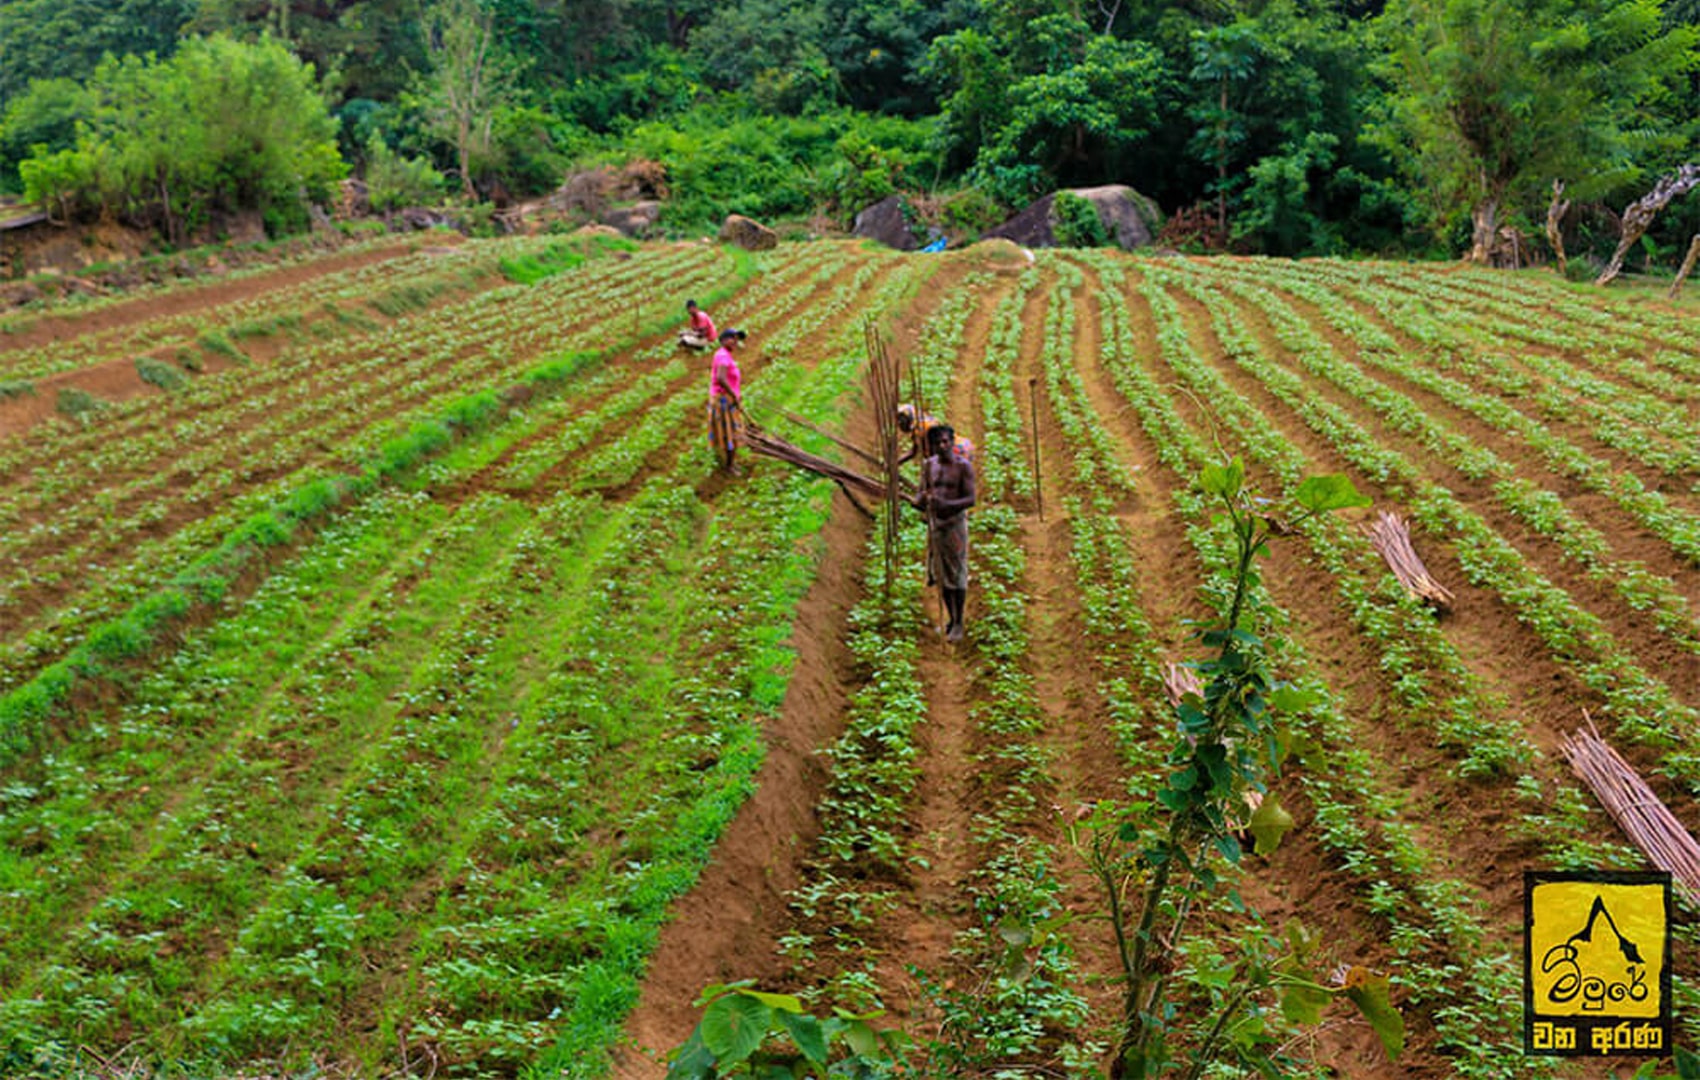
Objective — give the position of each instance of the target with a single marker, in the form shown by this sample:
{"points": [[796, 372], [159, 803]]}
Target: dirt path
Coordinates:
{"points": [[728, 926]]}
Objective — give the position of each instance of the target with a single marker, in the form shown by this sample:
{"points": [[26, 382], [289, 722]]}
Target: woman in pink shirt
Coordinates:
{"points": [[699, 328], [725, 397]]}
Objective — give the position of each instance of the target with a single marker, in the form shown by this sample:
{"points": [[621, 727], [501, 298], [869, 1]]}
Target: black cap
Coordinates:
{"points": [[731, 333]]}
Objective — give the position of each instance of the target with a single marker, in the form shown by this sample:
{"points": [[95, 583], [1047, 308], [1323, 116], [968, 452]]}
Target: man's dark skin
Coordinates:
{"points": [[949, 490]]}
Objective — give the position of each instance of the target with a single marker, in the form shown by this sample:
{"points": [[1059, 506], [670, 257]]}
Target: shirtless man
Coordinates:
{"points": [[947, 491]]}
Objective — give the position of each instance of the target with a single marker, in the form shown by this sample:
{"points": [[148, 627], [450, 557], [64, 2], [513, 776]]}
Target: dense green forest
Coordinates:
{"points": [[1276, 126]]}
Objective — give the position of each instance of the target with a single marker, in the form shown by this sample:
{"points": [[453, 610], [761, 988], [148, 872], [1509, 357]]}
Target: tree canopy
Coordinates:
{"points": [[219, 125], [1286, 126], [1494, 99]]}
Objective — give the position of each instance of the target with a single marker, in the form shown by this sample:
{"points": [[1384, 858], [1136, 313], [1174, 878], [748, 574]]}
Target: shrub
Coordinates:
{"points": [[720, 159], [393, 181], [221, 125], [45, 115], [11, 388], [1077, 223], [970, 211]]}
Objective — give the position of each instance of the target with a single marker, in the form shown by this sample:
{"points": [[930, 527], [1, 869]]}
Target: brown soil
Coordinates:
{"points": [[729, 926], [52, 327]]}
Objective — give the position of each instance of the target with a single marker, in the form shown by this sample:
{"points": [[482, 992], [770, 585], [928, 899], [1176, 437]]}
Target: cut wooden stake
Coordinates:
{"points": [[1392, 539], [1179, 681]]}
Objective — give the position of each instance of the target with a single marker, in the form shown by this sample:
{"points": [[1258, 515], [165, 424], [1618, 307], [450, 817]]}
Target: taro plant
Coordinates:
{"points": [[746, 1033], [1230, 742]]}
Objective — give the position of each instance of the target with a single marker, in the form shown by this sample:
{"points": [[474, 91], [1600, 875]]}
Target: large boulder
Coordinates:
{"points": [[1130, 220], [887, 221], [637, 220], [747, 234]]}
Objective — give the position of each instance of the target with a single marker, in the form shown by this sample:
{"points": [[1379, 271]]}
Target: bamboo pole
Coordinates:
{"points": [[1038, 484], [871, 459]]}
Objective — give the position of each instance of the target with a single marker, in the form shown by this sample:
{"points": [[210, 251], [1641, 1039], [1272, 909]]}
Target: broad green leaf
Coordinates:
{"points": [[1371, 994], [1687, 1064], [1320, 494], [714, 990], [1289, 698], [1302, 1001], [779, 1002], [861, 1038], [807, 1033], [733, 1027], [1223, 480], [1014, 935], [1229, 847], [1269, 823], [692, 1061]]}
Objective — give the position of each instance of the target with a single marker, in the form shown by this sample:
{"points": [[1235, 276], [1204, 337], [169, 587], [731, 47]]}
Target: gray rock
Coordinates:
{"points": [[888, 222], [1130, 219], [747, 234], [638, 220]]}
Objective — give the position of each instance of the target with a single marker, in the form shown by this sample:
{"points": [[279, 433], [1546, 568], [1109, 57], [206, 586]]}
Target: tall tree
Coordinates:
{"points": [[1223, 59], [1492, 99], [1052, 100], [469, 79]]}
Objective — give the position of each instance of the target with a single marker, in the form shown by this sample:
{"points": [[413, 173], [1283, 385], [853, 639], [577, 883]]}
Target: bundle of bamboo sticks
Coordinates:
{"points": [[1392, 538], [1638, 812], [760, 442]]}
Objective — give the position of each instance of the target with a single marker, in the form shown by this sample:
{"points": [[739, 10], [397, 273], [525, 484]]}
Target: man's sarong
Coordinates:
{"points": [[722, 422], [948, 567], [690, 339]]}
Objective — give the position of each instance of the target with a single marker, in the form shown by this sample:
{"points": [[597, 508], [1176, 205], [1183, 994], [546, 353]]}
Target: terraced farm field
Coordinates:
{"points": [[398, 689]]}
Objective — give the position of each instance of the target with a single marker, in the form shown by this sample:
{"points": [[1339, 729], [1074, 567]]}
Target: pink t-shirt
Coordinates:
{"points": [[725, 377], [702, 324]]}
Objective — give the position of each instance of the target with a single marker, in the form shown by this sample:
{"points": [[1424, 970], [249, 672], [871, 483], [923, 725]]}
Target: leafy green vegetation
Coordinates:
{"points": [[219, 125], [1279, 128], [374, 703]]}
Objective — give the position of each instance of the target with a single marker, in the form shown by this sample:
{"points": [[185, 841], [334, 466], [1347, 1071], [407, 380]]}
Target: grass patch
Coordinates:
{"points": [[414, 296], [79, 404], [218, 342], [287, 322], [159, 373], [13, 388], [561, 256]]}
